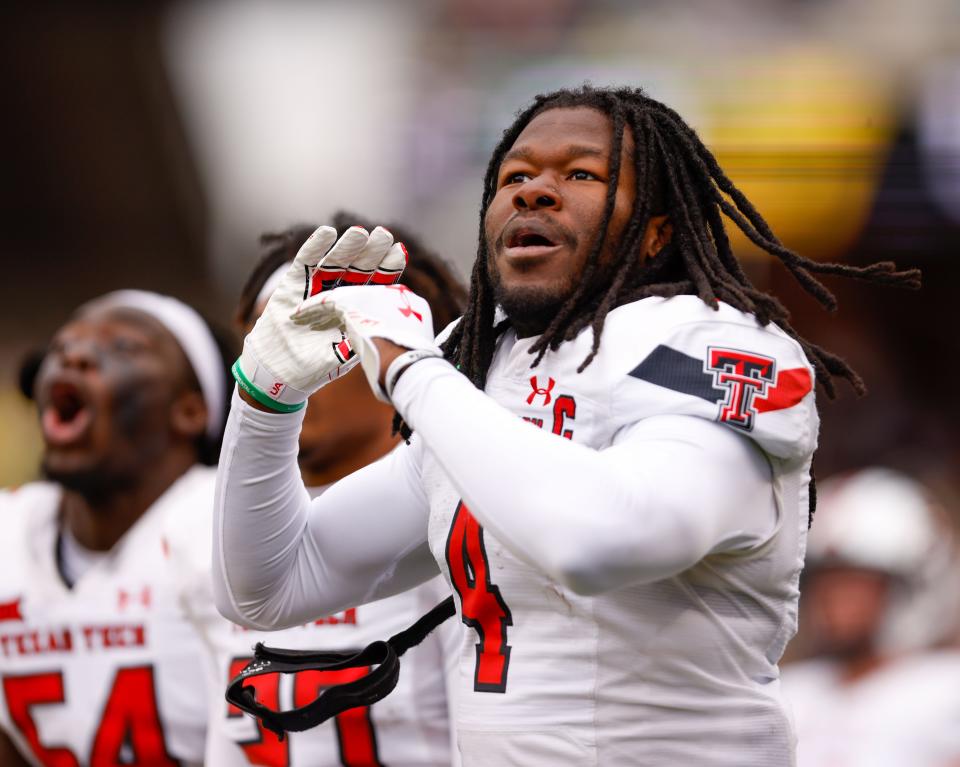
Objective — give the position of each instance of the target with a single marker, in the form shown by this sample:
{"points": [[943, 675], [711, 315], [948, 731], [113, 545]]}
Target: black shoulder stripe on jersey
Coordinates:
{"points": [[677, 371]]}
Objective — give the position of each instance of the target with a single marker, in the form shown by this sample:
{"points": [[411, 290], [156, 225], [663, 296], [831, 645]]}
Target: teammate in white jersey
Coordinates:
{"points": [[345, 429], [98, 663], [612, 474], [880, 566]]}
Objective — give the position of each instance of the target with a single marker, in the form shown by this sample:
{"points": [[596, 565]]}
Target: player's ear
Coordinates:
{"points": [[188, 414], [658, 233]]}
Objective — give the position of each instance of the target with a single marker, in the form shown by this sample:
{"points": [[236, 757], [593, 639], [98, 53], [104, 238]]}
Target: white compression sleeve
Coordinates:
{"points": [[280, 559], [669, 491]]}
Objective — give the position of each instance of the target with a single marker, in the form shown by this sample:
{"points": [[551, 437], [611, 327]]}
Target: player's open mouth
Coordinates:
{"points": [[66, 416], [529, 240]]}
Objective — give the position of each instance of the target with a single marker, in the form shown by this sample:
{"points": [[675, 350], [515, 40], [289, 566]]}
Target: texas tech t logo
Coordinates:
{"points": [[744, 377]]}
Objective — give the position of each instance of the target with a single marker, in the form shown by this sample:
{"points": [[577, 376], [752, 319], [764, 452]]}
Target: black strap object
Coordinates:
{"points": [[365, 691]]}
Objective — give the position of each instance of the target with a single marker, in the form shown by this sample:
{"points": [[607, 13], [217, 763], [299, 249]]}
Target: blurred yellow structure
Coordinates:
{"points": [[804, 137], [21, 446]]}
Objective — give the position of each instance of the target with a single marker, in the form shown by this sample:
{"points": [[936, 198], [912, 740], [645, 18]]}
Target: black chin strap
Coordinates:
{"points": [[365, 691]]}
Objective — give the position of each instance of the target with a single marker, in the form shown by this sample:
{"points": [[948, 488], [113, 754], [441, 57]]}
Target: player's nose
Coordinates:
{"points": [[537, 194], [78, 354]]}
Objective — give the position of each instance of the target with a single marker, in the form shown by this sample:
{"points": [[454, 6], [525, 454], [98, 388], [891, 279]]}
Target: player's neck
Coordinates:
{"points": [[530, 323], [328, 473], [98, 520], [528, 330]]}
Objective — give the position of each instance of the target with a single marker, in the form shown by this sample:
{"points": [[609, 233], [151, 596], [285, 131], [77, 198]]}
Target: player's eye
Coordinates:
{"points": [[515, 178], [125, 345], [582, 175]]}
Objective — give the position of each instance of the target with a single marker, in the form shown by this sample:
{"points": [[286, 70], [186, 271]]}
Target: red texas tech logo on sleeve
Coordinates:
{"points": [[745, 377], [741, 383]]}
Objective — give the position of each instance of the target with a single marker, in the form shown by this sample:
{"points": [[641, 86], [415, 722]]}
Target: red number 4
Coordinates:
{"points": [[482, 606], [130, 719]]}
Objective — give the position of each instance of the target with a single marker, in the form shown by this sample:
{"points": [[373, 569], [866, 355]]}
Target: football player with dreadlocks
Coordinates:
{"points": [[609, 459]]}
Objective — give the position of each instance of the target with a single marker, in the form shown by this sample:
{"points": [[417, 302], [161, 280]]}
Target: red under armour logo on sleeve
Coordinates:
{"points": [[407, 309]]}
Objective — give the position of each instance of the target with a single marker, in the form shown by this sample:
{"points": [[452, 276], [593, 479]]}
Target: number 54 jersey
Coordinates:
{"points": [[107, 672], [679, 671]]}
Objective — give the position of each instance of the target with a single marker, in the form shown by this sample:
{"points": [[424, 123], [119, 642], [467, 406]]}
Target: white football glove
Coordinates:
{"points": [[394, 312], [284, 362]]}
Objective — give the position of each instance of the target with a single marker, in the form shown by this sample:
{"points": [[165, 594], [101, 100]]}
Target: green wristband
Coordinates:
{"points": [[244, 383]]}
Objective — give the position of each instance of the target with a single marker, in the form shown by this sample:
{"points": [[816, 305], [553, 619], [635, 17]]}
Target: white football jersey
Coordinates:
{"points": [[905, 713], [409, 728], [107, 672], [681, 671]]}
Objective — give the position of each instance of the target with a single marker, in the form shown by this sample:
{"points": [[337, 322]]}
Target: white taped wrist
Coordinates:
{"points": [[260, 377], [401, 363]]}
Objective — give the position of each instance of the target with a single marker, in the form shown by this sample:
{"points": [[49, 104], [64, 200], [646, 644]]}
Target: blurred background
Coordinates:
{"points": [[149, 144]]}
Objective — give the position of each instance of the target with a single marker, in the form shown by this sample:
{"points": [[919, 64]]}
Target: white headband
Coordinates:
{"points": [[194, 337], [270, 285]]}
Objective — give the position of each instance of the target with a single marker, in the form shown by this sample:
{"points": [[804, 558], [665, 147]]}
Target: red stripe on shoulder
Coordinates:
{"points": [[792, 386]]}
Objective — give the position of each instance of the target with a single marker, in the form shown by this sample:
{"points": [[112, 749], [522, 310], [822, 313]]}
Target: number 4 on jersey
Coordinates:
{"points": [[481, 605]]}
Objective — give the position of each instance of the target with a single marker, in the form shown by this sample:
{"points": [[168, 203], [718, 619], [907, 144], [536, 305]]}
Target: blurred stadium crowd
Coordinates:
{"points": [[148, 146]]}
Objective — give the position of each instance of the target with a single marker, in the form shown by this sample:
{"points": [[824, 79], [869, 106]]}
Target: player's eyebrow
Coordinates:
{"points": [[571, 151]]}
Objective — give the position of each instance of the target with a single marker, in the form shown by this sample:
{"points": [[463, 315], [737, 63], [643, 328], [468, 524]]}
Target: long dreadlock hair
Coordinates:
{"points": [[675, 174]]}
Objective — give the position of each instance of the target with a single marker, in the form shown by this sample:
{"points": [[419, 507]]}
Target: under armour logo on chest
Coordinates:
{"points": [[126, 598], [538, 391]]}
